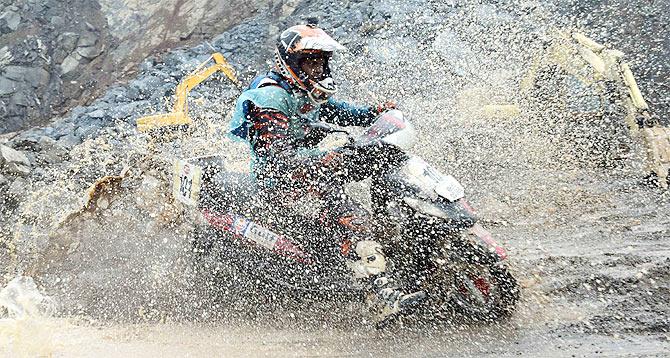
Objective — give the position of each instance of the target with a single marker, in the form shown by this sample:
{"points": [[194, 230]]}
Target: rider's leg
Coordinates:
{"points": [[349, 219], [365, 257]]}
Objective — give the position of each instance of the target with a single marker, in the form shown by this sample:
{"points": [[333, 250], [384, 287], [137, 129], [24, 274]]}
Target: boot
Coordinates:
{"points": [[389, 302]]}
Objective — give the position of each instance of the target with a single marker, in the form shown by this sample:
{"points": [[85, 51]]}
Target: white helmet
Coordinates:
{"points": [[302, 42]]}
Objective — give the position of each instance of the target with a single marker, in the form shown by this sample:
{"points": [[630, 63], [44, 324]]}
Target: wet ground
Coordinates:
{"points": [[589, 247]]}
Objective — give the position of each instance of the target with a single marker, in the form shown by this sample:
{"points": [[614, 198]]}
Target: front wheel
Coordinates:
{"points": [[472, 281], [482, 291]]}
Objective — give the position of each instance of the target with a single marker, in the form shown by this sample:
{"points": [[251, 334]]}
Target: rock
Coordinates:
{"points": [[69, 140], [9, 22], [3, 180], [21, 99], [89, 52], [45, 143], [17, 188], [87, 39], [7, 86], [63, 129], [148, 64], [26, 140], [9, 155], [37, 77], [144, 87], [39, 172], [16, 169], [98, 113], [116, 94], [128, 109], [68, 41], [49, 131], [57, 21], [15, 73], [55, 155], [70, 63], [88, 130], [5, 55], [50, 150]]}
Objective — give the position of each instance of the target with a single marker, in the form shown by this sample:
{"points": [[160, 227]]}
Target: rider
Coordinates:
{"points": [[275, 115]]}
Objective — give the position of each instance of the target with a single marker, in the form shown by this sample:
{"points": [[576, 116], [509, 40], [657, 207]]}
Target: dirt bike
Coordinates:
{"points": [[430, 232]]}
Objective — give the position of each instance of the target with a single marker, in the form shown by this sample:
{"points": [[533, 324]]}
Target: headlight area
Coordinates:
{"points": [[425, 207]]}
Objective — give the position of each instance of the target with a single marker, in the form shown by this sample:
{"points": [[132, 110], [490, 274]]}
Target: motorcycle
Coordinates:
{"points": [[430, 232]]}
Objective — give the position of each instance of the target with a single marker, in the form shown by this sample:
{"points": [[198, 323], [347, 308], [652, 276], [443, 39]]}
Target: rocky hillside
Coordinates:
{"points": [[55, 55]]}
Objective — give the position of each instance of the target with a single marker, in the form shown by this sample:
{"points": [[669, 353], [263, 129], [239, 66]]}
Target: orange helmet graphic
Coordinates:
{"points": [[301, 43]]}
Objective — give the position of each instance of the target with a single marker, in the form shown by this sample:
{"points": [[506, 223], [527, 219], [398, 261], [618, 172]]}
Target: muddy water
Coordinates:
{"points": [[587, 239], [589, 245]]}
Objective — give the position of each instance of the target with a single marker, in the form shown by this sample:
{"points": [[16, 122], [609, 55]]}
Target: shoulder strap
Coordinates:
{"points": [[271, 79]]}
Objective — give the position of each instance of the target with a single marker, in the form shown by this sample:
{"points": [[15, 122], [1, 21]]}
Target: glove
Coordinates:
{"points": [[383, 107]]}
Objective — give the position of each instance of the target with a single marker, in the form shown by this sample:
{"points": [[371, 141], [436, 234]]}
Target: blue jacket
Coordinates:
{"points": [[271, 92]]}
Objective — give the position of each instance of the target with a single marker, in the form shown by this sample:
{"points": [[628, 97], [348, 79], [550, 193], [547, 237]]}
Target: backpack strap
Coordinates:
{"points": [[271, 79]]}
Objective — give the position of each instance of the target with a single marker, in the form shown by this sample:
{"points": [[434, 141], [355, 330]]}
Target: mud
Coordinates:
{"points": [[589, 246], [586, 234]]}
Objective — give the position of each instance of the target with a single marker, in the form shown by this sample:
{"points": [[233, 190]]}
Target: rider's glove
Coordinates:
{"points": [[382, 107]]}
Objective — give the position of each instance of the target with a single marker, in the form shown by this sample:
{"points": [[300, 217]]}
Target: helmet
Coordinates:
{"points": [[298, 44]]}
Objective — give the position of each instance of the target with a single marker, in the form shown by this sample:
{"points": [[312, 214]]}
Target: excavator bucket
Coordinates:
{"points": [[178, 120]]}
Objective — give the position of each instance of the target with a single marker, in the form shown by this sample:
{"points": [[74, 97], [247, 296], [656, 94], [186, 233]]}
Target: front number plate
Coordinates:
{"points": [[186, 187]]}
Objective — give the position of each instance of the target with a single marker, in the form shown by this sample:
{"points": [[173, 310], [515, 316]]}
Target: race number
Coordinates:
{"points": [[186, 186], [430, 179]]}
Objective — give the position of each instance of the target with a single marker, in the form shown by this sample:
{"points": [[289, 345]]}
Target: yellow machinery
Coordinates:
{"points": [[179, 119], [595, 65]]}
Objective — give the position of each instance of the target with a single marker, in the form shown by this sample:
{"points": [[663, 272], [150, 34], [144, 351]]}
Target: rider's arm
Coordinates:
{"points": [[269, 133], [344, 114]]}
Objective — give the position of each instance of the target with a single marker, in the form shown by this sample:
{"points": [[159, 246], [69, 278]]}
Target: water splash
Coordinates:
{"points": [[28, 329]]}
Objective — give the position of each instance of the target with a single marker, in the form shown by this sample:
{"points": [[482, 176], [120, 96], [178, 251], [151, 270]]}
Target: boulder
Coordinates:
{"points": [[10, 155], [98, 113], [89, 52], [7, 86], [37, 77], [87, 39], [67, 41], [17, 189], [15, 73], [70, 63], [9, 21], [16, 169]]}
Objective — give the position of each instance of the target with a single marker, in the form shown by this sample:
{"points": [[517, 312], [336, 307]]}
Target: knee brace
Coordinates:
{"points": [[371, 260]]}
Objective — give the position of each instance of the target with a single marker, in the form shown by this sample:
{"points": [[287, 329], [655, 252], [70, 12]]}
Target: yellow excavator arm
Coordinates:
{"points": [[178, 118]]}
